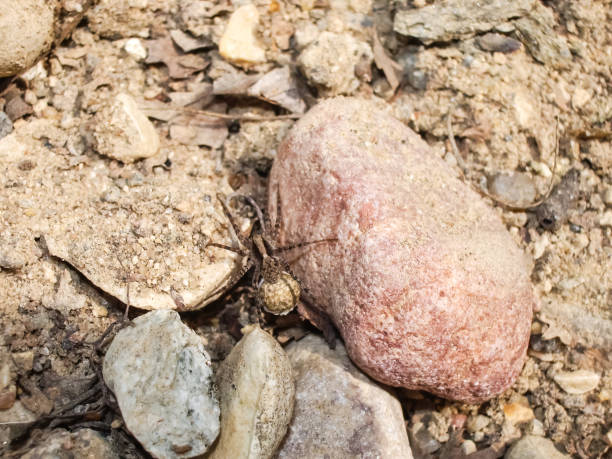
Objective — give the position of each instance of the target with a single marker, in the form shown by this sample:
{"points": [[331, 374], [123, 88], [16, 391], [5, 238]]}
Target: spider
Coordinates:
{"points": [[278, 289]]}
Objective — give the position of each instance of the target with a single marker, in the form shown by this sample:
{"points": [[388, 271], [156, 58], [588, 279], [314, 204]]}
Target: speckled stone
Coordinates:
{"points": [[162, 378], [424, 283], [340, 412]]}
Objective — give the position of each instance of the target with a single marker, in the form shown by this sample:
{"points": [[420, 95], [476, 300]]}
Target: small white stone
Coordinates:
{"points": [[256, 392], [606, 218], [239, 43], [135, 48], [161, 376], [541, 169], [468, 447], [577, 382], [478, 423], [607, 196], [580, 97], [540, 245]]}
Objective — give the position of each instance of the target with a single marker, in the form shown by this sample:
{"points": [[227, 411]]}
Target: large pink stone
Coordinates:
{"points": [[425, 285]]}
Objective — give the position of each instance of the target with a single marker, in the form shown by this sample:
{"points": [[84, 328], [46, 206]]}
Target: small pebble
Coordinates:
{"points": [[135, 48], [468, 447], [606, 218], [607, 196], [577, 382], [533, 447], [6, 125], [518, 412], [516, 189], [239, 43], [495, 42], [329, 62], [477, 423], [162, 379], [121, 131]]}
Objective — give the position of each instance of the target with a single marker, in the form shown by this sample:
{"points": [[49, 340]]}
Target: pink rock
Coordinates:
{"points": [[425, 285]]}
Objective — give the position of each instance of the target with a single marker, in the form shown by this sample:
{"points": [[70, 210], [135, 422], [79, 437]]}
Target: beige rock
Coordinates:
{"points": [[532, 447], [239, 43], [256, 391], [340, 412], [162, 378], [518, 412], [26, 32], [85, 443], [121, 131], [329, 62], [577, 382]]}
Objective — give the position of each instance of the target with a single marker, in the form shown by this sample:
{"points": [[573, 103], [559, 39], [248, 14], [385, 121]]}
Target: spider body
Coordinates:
{"points": [[278, 290]]}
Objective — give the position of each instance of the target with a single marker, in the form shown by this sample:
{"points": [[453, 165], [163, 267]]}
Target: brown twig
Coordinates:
{"points": [[507, 205], [225, 116]]}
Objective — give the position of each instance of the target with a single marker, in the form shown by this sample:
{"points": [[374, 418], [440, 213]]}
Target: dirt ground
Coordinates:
{"points": [[77, 227]]}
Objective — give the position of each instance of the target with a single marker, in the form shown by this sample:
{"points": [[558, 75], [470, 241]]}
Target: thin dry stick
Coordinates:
{"points": [[451, 138], [225, 116]]}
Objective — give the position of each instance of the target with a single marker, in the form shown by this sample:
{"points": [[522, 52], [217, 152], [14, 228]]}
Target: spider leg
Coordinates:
{"points": [[277, 223], [234, 227], [303, 244], [227, 247]]}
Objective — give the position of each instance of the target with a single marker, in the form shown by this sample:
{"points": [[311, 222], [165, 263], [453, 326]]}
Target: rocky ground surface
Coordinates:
{"points": [[114, 145]]}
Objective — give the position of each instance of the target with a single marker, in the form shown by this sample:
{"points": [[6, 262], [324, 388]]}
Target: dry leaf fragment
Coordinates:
{"points": [[200, 130], [188, 43], [163, 50], [199, 97], [280, 88], [234, 83], [389, 67]]}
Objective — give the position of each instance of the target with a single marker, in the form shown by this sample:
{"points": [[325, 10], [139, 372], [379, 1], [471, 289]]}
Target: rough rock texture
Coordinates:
{"points": [[329, 62], [340, 412], [256, 392], [424, 283], [456, 19], [162, 378], [26, 32], [61, 444], [123, 132], [532, 447]]}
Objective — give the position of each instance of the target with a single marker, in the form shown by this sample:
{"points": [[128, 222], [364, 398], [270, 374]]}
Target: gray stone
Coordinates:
{"points": [[6, 125], [339, 412], [256, 392], [516, 189], [532, 447], [457, 19], [537, 32], [162, 379]]}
